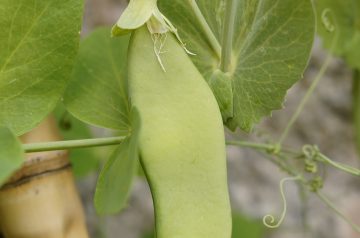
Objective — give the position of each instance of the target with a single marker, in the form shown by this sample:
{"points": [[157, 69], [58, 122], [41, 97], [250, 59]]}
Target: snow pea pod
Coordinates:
{"points": [[182, 145]]}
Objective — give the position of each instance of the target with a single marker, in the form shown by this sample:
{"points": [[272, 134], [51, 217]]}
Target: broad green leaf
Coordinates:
{"points": [[136, 14], [345, 16], [84, 160], [115, 180], [97, 92], [38, 44], [11, 154], [271, 39]]}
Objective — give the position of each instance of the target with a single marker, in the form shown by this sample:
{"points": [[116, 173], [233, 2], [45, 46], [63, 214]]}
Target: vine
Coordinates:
{"points": [[227, 41]]}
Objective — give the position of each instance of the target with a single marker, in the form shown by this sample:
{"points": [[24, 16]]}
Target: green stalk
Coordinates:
{"points": [[315, 83], [356, 107], [85, 143], [206, 28], [305, 99], [228, 33], [328, 203], [71, 144], [340, 166], [248, 144]]}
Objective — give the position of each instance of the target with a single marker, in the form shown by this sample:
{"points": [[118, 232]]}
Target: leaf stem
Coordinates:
{"points": [[250, 144], [228, 32], [313, 85], [356, 107], [85, 143], [273, 149], [305, 99], [206, 28], [71, 144], [343, 167], [337, 211]]}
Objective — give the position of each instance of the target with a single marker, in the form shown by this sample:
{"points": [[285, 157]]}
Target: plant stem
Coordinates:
{"points": [[71, 144], [84, 143], [305, 99], [340, 166], [356, 107], [337, 211], [206, 28], [228, 32], [269, 149], [303, 193], [251, 145], [310, 90]]}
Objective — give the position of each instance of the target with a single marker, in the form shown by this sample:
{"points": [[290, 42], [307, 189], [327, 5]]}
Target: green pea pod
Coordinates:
{"points": [[182, 144]]}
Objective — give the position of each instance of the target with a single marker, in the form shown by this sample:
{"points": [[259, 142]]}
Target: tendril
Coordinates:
{"points": [[326, 21], [310, 151], [269, 220], [344, 167]]}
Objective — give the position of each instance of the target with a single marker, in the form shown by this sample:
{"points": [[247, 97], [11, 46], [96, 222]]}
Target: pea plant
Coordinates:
{"points": [[168, 77]]}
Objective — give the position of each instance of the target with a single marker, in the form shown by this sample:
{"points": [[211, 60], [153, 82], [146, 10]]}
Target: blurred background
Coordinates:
{"points": [[254, 181]]}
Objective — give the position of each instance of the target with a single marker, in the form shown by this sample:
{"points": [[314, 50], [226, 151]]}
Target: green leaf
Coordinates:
{"points": [[11, 154], [271, 45], [84, 160], [115, 180], [346, 19], [97, 93], [39, 41]]}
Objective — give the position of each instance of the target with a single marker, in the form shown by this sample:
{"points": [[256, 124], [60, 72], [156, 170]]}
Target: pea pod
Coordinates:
{"points": [[182, 145]]}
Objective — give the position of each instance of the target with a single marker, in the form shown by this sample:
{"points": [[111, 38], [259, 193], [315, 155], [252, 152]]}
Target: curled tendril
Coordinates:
{"points": [[269, 220], [311, 166], [328, 24], [310, 151]]}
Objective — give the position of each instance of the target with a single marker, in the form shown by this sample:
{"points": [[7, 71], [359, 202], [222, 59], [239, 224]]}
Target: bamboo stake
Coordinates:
{"points": [[41, 200]]}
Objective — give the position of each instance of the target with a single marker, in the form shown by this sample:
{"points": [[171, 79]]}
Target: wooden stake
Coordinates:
{"points": [[41, 200]]}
